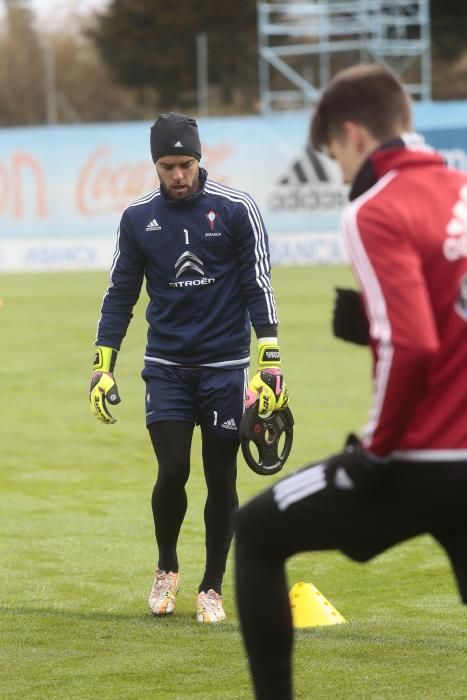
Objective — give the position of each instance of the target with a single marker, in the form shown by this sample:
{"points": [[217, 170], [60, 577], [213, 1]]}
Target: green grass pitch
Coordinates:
{"points": [[77, 551]]}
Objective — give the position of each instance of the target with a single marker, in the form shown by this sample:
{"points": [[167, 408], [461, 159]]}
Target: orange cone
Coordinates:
{"points": [[310, 608]]}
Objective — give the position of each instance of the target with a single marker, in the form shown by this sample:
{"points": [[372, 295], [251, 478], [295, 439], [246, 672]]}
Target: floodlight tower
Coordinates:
{"points": [[302, 44]]}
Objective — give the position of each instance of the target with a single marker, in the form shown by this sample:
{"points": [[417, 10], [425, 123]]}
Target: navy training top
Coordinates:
{"points": [[207, 268]]}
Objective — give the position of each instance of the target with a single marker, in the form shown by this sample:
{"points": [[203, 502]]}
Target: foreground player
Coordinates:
{"points": [[406, 237], [203, 250]]}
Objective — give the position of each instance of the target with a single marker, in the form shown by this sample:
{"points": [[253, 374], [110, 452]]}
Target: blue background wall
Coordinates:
{"points": [[62, 189]]}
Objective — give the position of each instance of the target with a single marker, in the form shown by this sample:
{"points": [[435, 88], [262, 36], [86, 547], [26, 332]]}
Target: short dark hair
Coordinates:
{"points": [[370, 95]]}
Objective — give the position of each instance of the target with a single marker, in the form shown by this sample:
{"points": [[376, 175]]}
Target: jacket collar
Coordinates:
{"points": [[405, 151]]}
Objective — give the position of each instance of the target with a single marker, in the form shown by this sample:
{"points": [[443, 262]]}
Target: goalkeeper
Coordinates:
{"points": [[203, 250]]}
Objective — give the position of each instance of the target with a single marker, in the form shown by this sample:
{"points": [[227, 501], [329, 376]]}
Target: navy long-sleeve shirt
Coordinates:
{"points": [[207, 269]]}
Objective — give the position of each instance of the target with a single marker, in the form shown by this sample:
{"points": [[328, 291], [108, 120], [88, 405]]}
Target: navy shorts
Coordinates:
{"points": [[206, 396]]}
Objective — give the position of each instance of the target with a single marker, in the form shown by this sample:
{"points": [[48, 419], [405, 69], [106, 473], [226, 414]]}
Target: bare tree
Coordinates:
{"points": [[21, 69], [55, 76]]}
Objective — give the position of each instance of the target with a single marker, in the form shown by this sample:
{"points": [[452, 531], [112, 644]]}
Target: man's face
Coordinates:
{"points": [[178, 175]]}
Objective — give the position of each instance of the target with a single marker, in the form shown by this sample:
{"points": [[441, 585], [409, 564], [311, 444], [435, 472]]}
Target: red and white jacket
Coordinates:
{"points": [[405, 232]]}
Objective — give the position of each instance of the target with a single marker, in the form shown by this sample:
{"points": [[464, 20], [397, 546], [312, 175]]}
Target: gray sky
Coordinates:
{"points": [[48, 9]]}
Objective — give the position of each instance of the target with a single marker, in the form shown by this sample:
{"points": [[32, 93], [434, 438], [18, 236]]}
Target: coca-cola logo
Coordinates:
{"points": [[104, 186]]}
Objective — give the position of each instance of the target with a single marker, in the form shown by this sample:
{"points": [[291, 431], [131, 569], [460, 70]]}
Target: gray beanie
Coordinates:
{"points": [[175, 135]]}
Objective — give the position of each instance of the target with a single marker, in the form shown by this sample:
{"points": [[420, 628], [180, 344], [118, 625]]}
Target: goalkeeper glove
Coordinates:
{"points": [[267, 386], [349, 321], [103, 388]]}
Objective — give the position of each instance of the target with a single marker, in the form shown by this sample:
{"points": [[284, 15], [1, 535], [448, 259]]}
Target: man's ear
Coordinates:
{"points": [[360, 137]]}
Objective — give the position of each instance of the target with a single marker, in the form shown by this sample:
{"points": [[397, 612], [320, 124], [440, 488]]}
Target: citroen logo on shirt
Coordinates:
{"points": [[189, 262]]}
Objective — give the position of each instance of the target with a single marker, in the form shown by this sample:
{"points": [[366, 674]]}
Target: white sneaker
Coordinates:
{"points": [[163, 592], [209, 607]]}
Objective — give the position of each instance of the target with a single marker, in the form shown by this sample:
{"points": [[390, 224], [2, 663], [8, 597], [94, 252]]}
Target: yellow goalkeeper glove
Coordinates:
{"points": [[103, 389], [267, 386]]}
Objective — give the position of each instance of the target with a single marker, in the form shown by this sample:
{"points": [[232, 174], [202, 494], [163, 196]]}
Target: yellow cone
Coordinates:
{"points": [[310, 608]]}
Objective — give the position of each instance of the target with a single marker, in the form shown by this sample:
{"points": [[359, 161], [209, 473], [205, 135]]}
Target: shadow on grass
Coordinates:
{"points": [[100, 616]]}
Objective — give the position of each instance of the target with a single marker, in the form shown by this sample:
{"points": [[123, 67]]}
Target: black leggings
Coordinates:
{"points": [[172, 444]]}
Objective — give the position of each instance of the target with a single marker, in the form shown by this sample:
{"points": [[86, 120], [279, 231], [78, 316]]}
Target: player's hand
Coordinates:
{"points": [[356, 469], [349, 321], [103, 388], [268, 388]]}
